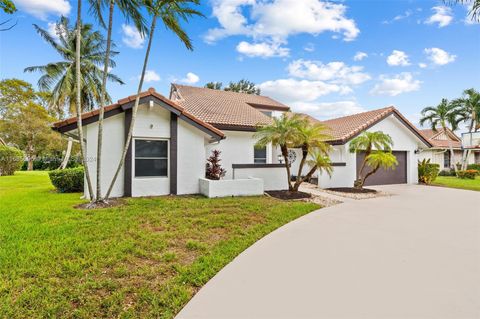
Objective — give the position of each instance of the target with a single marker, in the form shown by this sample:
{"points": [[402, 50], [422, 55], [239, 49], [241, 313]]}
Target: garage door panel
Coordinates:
{"points": [[385, 177]]}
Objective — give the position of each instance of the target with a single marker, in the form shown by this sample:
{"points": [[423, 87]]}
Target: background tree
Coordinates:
{"points": [[214, 85], [7, 7], [445, 115], [377, 147], [282, 132], [130, 10], [170, 13], [243, 86]]}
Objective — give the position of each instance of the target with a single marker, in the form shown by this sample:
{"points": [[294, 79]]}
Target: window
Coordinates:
{"points": [[446, 159], [260, 155], [151, 158], [267, 113]]}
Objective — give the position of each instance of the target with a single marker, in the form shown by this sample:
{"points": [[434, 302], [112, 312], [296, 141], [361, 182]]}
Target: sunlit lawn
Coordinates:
{"points": [[143, 259], [452, 181]]}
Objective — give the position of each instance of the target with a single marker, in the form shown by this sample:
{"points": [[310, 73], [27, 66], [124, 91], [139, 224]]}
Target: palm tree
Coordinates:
{"points": [[282, 132], [469, 106], [310, 136], [377, 160], [370, 143], [475, 9], [447, 116], [319, 160], [130, 9], [170, 12], [58, 77]]}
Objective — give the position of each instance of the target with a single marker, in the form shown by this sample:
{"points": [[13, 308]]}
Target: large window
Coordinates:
{"points": [[446, 159], [260, 155], [151, 158]]}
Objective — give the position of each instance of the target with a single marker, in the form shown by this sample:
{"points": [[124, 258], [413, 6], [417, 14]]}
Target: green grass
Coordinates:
{"points": [[144, 259], [454, 182]]}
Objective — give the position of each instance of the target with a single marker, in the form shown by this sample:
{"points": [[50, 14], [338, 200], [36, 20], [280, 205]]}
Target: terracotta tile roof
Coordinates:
{"points": [[131, 98], [224, 108], [435, 138], [342, 129]]}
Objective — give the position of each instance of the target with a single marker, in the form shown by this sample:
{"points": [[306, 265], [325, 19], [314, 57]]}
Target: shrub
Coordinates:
{"points": [[214, 170], [474, 166], [67, 180], [427, 172], [11, 160], [469, 173], [447, 172], [47, 163]]}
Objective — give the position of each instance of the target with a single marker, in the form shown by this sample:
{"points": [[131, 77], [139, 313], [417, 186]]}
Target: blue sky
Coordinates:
{"points": [[325, 59]]}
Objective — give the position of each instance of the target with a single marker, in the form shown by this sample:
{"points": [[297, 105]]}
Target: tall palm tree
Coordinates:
{"points": [[370, 143], [282, 132], [170, 13], [469, 106], [311, 136], [130, 9], [445, 115], [58, 77]]}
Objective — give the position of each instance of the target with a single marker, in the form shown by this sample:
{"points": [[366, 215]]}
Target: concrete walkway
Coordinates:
{"points": [[412, 255]]}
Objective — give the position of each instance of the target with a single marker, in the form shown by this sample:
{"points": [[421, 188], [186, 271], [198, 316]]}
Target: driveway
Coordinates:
{"points": [[415, 254]]}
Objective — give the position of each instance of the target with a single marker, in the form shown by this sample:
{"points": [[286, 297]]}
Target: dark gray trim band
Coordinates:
{"points": [[240, 128], [339, 164], [127, 167], [257, 165], [173, 153]]}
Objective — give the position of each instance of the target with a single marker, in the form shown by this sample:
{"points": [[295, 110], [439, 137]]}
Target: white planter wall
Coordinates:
{"points": [[231, 187], [274, 178]]}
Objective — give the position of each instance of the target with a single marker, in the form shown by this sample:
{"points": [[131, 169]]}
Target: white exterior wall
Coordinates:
{"points": [[113, 142], [191, 158], [274, 178], [403, 140], [231, 187], [151, 123], [436, 157]]}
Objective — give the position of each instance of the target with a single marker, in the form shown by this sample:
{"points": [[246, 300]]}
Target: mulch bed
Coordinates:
{"points": [[111, 203], [352, 190], [286, 195]]}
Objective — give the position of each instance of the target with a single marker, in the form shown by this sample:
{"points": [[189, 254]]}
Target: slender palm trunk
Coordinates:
{"points": [[362, 180], [299, 179], [102, 102], [78, 105], [284, 150], [450, 146], [135, 108], [66, 158]]}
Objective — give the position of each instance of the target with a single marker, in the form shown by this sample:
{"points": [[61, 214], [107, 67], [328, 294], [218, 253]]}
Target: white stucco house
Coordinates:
{"points": [[173, 137]]}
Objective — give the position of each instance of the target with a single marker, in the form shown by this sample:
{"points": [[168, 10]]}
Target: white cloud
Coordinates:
{"points": [[310, 47], [43, 8], [439, 56], [327, 110], [442, 16], [398, 58], [151, 76], [422, 65], [190, 78], [398, 84], [131, 37], [274, 22], [335, 72], [262, 49], [359, 56], [399, 17]]}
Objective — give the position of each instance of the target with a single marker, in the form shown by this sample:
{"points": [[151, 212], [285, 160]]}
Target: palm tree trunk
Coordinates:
{"points": [[284, 150], [78, 105], [135, 108], [299, 179], [452, 157], [66, 158], [362, 180], [307, 177], [102, 102]]}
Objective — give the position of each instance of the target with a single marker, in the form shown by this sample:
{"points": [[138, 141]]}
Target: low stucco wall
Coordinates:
{"points": [[231, 187], [274, 177]]}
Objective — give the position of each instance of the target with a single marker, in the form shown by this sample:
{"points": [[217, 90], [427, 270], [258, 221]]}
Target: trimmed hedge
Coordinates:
{"points": [[427, 172], [68, 180], [468, 174], [11, 160], [48, 163], [474, 166], [447, 172]]}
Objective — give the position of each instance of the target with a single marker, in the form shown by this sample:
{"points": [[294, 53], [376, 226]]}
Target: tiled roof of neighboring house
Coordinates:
{"points": [[92, 116], [345, 128], [440, 140], [225, 109]]}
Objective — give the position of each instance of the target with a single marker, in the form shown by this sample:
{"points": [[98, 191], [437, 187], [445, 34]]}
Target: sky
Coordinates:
{"points": [[327, 59]]}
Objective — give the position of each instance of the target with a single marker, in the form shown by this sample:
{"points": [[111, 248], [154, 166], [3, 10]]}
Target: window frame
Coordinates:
{"points": [[447, 157], [134, 155]]}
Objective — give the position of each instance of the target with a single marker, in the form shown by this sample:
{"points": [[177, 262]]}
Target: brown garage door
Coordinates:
{"points": [[384, 177]]}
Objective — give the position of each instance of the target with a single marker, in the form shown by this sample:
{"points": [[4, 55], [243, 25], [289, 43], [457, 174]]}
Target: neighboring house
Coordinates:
{"points": [[172, 139], [439, 153], [408, 142]]}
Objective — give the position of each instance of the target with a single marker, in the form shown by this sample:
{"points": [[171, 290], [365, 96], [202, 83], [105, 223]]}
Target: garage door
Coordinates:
{"points": [[384, 177]]}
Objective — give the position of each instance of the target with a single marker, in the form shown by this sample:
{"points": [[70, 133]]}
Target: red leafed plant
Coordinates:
{"points": [[214, 169]]}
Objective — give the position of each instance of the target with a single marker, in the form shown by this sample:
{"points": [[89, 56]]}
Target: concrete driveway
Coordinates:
{"points": [[412, 255]]}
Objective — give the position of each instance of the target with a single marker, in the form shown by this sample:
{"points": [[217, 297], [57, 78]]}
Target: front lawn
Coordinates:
{"points": [[454, 182], [141, 260]]}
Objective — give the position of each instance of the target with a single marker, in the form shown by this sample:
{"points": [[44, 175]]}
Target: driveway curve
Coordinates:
{"points": [[415, 254]]}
